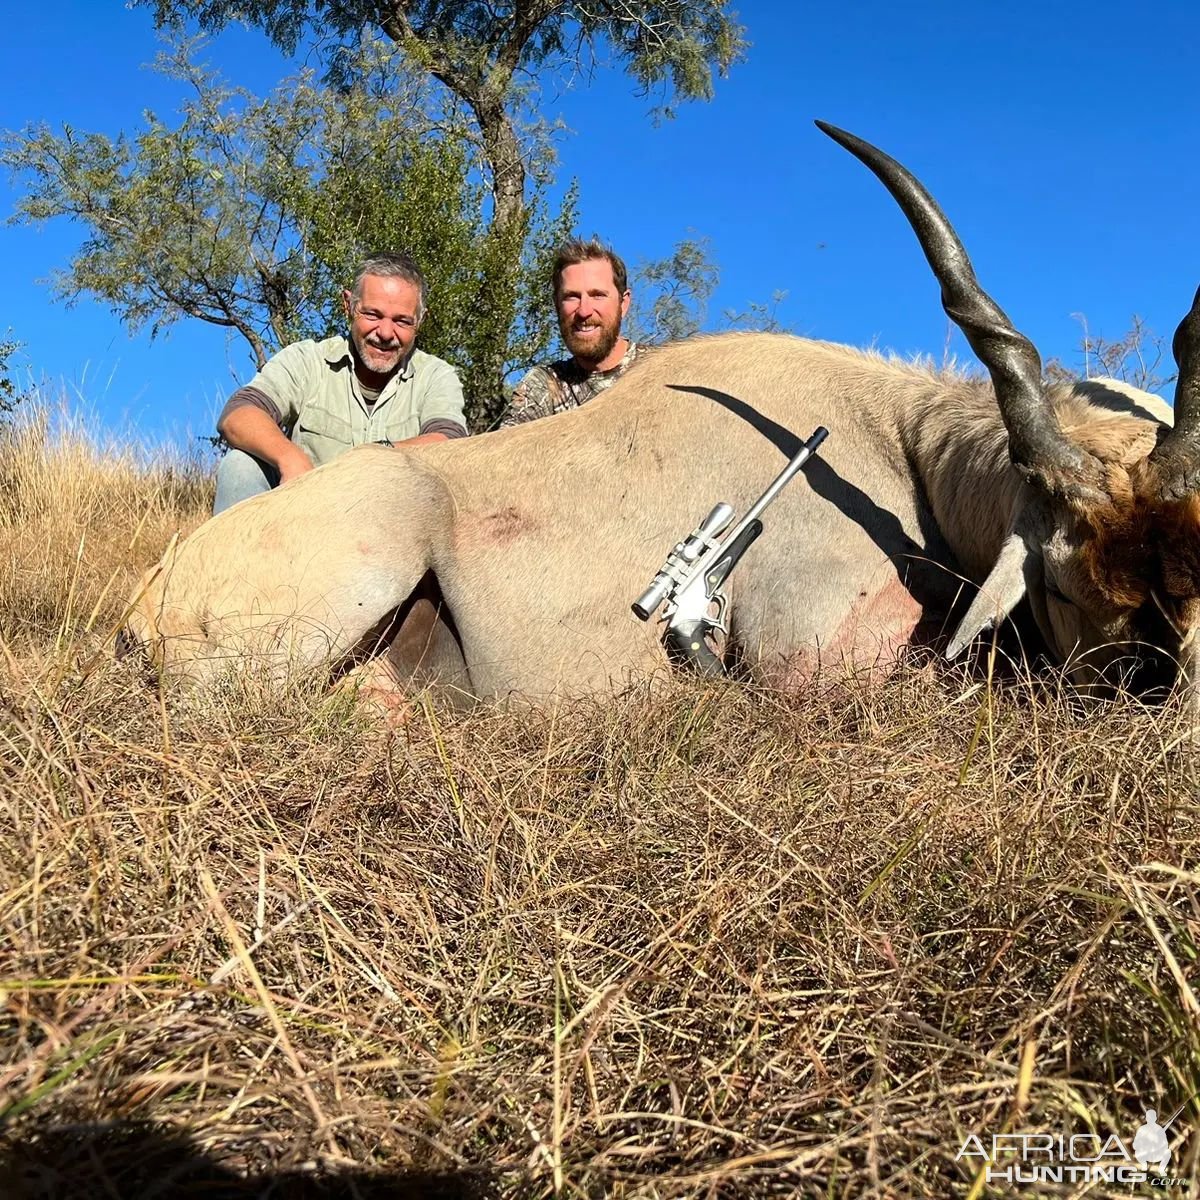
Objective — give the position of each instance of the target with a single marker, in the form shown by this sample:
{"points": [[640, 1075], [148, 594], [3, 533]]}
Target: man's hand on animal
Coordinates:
{"points": [[423, 439], [296, 464], [252, 431]]}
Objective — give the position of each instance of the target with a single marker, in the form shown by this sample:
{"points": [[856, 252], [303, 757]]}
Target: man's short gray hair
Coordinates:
{"points": [[393, 266]]}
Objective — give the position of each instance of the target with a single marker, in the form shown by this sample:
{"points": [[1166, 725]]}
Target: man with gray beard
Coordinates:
{"points": [[314, 400], [591, 297]]}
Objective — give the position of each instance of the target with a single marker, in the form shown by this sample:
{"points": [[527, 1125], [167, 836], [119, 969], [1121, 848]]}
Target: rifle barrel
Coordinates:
{"points": [[806, 451]]}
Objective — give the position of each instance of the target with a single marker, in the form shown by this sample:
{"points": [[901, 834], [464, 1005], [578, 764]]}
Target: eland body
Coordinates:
{"points": [[532, 542]]}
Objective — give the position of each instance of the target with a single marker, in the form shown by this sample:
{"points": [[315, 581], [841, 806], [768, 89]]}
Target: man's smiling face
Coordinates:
{"points": [[384, 320], [590, 310]]}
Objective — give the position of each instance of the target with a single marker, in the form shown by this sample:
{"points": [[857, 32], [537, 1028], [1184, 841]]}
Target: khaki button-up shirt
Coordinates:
{"points": [[321, 403]]}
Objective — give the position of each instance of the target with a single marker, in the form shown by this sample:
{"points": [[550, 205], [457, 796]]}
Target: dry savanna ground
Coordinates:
{"points": [[714, 943]]}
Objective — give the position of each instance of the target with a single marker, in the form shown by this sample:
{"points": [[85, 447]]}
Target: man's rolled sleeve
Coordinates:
{"points": [[248, 397], [451, 429], [442, 400], [287, 379]]}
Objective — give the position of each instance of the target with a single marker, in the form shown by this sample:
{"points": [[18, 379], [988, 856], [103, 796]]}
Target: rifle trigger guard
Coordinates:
{"points": [[718, 621]]}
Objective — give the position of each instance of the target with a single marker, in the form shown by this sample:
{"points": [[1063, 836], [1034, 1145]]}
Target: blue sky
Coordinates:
{"points": [[1059, 138]]}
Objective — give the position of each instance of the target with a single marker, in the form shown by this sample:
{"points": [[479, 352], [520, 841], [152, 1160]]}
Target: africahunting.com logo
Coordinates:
{"points": [[1041, 1158]]}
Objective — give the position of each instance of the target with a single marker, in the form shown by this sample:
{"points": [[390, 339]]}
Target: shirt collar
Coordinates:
{"points": [[341, 353]]}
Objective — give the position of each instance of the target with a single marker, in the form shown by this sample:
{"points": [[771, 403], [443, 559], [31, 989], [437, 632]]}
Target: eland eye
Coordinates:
{"points": [[1055, 594]]}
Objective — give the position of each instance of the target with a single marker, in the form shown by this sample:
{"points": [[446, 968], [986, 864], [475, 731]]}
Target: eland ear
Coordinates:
{"points": [[1017, 572], [999, 594]]}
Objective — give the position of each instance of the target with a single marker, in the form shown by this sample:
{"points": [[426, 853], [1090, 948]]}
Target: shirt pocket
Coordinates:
{"points": [[322, 435], [396, 425]]}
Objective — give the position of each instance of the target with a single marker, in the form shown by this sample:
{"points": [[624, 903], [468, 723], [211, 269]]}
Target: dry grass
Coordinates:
{"points": [[79, 519], [713, 944]]}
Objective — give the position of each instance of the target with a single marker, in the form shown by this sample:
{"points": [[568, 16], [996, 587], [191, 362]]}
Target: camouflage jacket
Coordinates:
{"points": [[555, 387]]}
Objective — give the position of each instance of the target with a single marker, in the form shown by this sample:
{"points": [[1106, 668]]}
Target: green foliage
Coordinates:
{"points": [[671, 294], [673, 45], [758, 315], [253, 214], [670, 297], [10, 395], [489, 58]]}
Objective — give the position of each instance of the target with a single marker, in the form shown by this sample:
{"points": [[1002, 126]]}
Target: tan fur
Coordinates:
{"points": [[539, 537]]}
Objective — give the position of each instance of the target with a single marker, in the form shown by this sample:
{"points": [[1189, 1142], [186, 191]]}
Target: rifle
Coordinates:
{"points": [[691, 579]]}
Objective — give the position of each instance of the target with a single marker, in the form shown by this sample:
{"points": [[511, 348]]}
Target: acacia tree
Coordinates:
{"points": [[485, 54], [252, 214], [671, 297], [672, 293]]}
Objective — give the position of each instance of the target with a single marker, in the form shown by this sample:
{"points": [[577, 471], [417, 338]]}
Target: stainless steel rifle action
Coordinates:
{"points": [[692, 579]]}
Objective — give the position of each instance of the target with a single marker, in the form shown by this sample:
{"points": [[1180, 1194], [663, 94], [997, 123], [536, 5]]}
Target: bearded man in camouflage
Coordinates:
{"points": [[591, 296]]}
